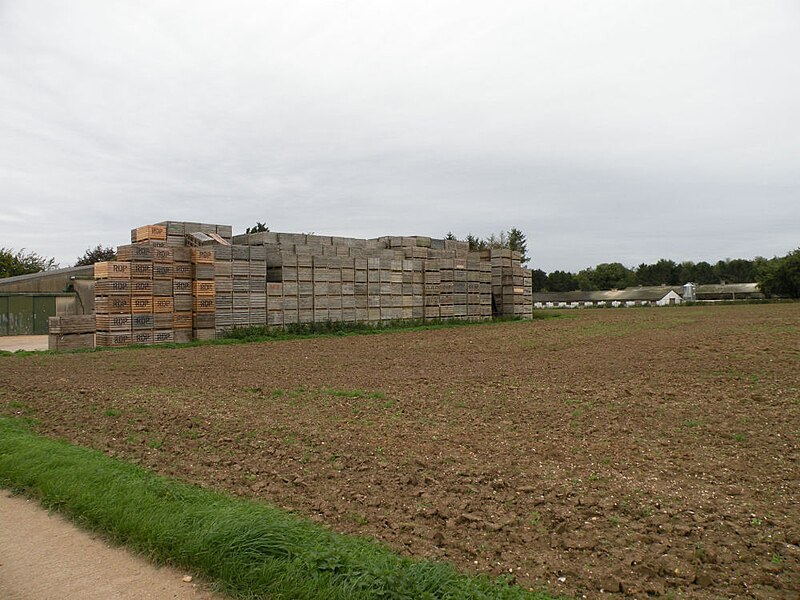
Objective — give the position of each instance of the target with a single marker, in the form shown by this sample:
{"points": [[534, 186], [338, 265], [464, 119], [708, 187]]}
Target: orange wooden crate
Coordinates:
{"points": [[149, 232], [142, 304], [112, 270], [162, 304], [203, 288]]}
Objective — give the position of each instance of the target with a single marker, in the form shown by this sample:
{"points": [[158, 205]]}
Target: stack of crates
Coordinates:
{"points": [[163, 299], [203, 294], [432, 278], [257, 289], [511, 284], [183, 272], [112, 303], [223, 284], [360, 288]]}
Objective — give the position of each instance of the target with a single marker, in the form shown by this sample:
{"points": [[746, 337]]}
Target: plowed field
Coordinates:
{"points": [[646, 452]]}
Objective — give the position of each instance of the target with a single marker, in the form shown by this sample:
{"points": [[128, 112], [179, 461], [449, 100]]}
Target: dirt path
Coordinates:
{"points": [[12, 343], [43, 556]]}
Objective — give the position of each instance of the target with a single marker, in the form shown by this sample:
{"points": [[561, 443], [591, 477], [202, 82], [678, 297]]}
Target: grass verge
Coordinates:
{"points": [[251, 550]]}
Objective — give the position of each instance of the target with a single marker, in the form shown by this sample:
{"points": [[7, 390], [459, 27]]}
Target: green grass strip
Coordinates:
{"points": [[251, 550]]}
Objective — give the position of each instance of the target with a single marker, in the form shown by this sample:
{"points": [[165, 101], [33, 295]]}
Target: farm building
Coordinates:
{"points": [[648, 296], [179, 281]]}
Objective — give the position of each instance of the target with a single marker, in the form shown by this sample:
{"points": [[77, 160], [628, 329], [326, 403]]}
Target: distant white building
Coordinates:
{"points": [[649, 296]]}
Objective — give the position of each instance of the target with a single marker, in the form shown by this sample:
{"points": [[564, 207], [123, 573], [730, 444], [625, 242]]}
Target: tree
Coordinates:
{"points": [[738, 270], [450, 236], [585, 280], [561, 281], [22, 263], [475, 243], [539, 280], [663, 272], [97, 254], [609, 276], [518, 243], [259, 227], [781, 276], [703, 274]]}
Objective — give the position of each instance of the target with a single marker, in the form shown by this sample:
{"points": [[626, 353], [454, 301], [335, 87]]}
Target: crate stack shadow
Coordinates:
{"points": [[179, 281]]}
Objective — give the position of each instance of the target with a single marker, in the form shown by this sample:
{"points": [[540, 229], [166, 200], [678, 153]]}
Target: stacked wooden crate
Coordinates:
{"points": [[177, 231], [71, 332], [163, 298], [447, 287], [240, 284], [348, 287], [432, 278], [511, 284], [257, 290], [156, 234], [223, 284], [112, 303], [203, 294], [182, 269], [361, 288]]}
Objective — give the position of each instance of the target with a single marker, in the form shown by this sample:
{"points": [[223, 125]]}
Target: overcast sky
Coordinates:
{"points": [[607, 131]]}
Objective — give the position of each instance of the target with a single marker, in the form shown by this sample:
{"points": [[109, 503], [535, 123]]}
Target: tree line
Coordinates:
{"points": [[513, 239], [776, 276]]}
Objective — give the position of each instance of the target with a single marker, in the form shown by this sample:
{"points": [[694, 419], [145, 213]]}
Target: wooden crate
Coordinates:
{"points": [[163, 287], [142, 269], [113, 339], [182, 336], [142, 321], [203, 304], [149, 232], [203, 288], [163, 304], [181, 286], [112, 304], [182, 270], [163, 320], [203, 271], [222, 268], [70, 341], [182, 302], [135, 252], [203, 256], [163, 271], [223, 284], [141, 304], [70, 324], [112, 287], [141, 287], [113, 322], [143, 336], [182, 254], [112, 270], [182, 320], [163, 336], [162, 255], [204, 334]]}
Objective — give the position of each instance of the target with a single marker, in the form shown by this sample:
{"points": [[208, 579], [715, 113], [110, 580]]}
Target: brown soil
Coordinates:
{"points": [[647, 451]]}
